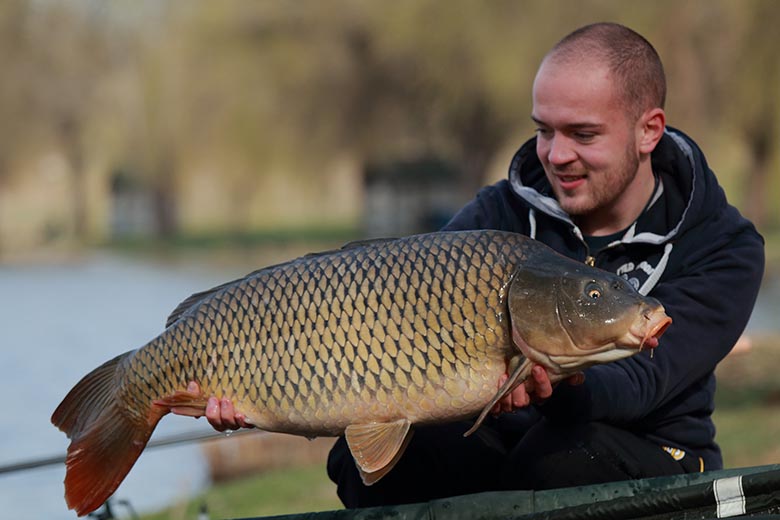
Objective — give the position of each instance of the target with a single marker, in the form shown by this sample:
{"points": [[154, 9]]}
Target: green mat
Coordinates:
{"points": [[735, 493]]}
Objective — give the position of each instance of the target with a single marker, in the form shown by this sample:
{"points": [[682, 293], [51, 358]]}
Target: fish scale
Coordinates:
{"points": [[365, 341]]}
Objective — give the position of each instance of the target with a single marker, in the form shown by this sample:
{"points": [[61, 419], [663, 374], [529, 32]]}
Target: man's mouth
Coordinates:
{"points": [[570, 182]]}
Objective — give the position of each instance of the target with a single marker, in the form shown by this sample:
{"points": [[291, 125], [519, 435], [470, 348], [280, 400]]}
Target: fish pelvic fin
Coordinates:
{"points": [[184, 402], [522, 367], [106, 436], [377, 447]]}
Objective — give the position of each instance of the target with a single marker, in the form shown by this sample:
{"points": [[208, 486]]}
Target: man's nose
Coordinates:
{"points": [[561, 150]]}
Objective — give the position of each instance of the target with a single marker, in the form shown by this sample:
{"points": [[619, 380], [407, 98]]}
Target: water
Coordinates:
{"points": [[59, 322], [764, 318]]}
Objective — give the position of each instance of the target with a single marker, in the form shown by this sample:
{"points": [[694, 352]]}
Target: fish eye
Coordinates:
{"points": [[593, 291]]}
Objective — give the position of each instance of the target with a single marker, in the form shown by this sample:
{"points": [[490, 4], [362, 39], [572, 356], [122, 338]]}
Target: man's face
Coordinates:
{"points": [[585, 138]]}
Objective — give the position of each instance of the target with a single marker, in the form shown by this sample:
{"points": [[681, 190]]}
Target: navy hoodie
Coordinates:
{"points": [[690, 249]]}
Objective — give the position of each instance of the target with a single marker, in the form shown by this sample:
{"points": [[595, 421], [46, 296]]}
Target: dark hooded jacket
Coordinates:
{"points": [[689, 249]]}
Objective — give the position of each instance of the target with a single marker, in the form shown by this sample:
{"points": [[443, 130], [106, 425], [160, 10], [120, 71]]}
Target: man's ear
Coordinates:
{"points": [[650, 129]]}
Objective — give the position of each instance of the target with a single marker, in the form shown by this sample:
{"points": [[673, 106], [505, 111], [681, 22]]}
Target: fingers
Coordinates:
{"points": [[222, 416], [541, 387], [535, 389], [213, 415], [220, 413], [517, 398]]}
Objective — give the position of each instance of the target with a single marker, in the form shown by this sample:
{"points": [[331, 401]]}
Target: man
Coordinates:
{"points": [[605, 182]]}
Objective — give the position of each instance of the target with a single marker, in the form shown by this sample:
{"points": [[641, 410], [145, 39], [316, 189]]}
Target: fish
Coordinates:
{"points": [[364, 341]]}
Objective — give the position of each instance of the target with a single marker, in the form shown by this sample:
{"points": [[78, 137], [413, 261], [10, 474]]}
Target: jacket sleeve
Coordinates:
{"points": [[710, 302]]}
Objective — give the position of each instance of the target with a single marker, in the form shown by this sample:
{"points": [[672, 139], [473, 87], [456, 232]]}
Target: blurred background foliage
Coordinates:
{"points": [[185, 119]]}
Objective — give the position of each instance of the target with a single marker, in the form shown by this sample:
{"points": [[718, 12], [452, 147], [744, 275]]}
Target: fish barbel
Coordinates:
{"points": [[364, 341]]}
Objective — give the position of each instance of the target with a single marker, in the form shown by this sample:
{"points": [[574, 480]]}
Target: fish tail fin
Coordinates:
{"points": [[106, 436]]}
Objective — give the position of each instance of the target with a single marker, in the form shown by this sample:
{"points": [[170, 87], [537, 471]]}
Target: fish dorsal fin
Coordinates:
{"points": [[366, 242], [193, 300], [377, 447], [198, 297]]}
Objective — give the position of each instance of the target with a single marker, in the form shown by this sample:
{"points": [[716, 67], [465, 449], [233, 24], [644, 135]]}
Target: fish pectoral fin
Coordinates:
{"points": [[183, 402], [377, 447], [522, 367]]}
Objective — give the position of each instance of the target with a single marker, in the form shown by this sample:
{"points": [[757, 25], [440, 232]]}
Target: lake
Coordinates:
{"points": [[60, 321]]}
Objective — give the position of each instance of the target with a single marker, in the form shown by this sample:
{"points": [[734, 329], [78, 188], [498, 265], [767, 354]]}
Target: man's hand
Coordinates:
{"points": [[535, 389], [219, 412]]}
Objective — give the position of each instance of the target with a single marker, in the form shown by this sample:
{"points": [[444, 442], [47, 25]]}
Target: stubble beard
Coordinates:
{"points": [[603, 187]]}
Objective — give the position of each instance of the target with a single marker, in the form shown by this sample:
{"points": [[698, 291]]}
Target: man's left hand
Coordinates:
{"points": [[535, 389]]}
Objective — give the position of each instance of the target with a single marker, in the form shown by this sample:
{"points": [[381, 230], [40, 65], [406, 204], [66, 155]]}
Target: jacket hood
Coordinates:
{"points": [[686, 184]]}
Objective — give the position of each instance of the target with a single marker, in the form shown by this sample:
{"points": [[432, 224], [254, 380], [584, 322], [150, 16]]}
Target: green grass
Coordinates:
{"points": [[236, 240], [290, 490], [749, 436], [747, 411]]}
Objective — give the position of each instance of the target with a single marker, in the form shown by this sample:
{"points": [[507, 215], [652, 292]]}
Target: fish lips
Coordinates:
{"points": [[657, 323]]}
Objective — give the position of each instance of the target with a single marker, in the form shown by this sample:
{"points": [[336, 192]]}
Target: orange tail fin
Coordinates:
{"points": [[106, 436]]}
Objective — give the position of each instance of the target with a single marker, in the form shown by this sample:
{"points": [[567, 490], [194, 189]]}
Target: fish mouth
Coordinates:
{"points": [[656, 322]]}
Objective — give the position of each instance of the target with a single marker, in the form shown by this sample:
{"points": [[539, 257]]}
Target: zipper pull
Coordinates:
{"points": [[591, 261]]}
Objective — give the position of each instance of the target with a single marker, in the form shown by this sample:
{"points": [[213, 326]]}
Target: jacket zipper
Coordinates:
{"points": [[589, 259]]}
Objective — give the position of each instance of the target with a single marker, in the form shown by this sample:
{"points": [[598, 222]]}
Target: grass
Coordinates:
{"points": [[234, 241], [748, 404], [749, 436], [747, 419], [284, 491]]}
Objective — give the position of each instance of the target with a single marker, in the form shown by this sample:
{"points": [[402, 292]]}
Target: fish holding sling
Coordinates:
{"points": [[365, 341]]}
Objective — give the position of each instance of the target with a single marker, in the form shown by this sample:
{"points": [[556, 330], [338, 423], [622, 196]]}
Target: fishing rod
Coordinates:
{"points": [[181, 438]]}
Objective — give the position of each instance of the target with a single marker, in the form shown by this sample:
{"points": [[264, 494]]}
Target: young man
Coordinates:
{"points": [[604, 182]]}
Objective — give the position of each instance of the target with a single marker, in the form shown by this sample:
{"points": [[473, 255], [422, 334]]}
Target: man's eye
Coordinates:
{"points": [[584, 136], [543, 132]]}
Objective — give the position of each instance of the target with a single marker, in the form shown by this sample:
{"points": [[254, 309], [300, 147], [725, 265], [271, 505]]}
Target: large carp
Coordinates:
{"points": [[363, 341]]}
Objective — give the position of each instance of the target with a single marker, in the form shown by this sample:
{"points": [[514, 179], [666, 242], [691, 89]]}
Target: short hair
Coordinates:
{"points": [[630, 58]]}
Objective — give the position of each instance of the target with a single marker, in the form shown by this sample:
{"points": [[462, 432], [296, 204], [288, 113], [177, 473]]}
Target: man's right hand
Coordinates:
{"points": [[219, 412], [222, 416]]}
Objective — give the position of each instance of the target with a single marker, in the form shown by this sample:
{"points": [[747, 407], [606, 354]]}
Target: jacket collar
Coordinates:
{"points": [[676, 160]]}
